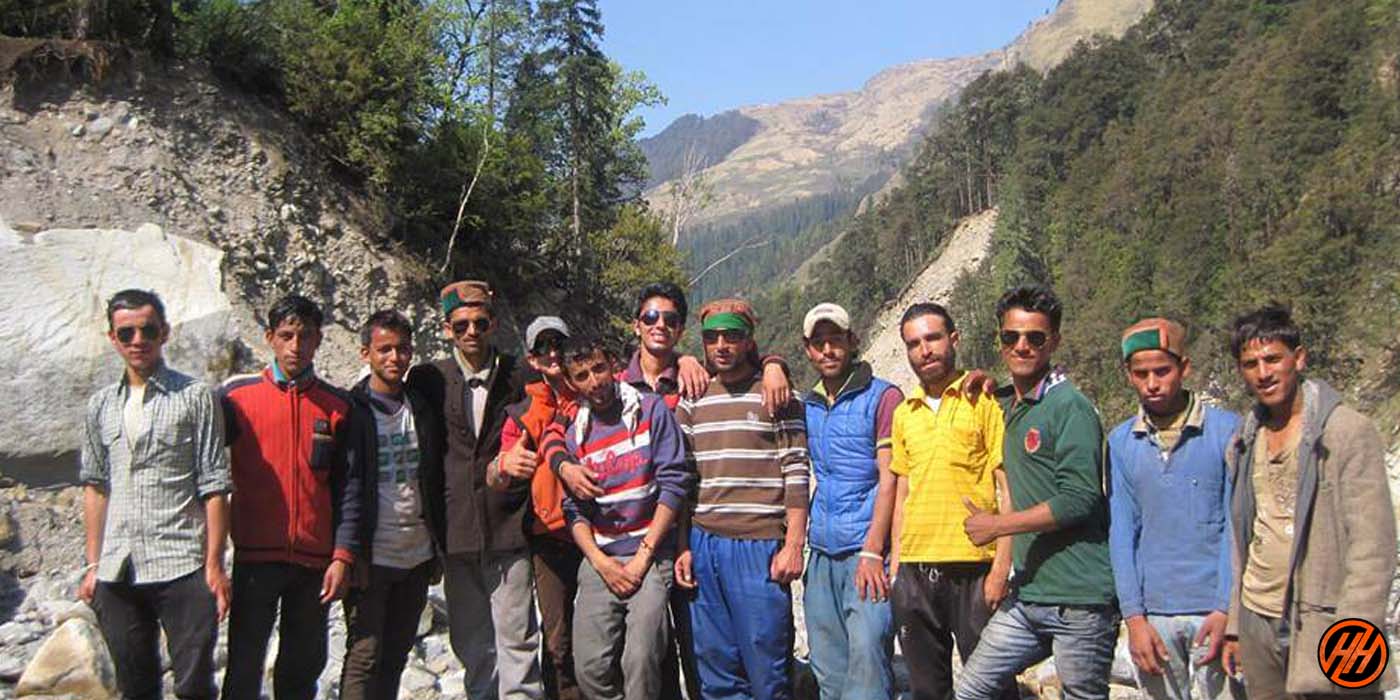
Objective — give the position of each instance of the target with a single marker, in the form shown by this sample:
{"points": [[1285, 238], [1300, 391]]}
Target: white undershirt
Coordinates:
{"points": [[132, 413], [933, 402]]}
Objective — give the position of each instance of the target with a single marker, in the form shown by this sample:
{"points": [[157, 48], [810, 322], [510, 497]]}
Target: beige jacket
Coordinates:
{"points": [[1344, 544]]}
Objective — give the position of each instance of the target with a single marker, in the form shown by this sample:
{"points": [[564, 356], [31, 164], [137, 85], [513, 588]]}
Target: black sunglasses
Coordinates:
{"points": [[1035, 338], [672, 319], [480, 324], [149, 333], [730, 336]]}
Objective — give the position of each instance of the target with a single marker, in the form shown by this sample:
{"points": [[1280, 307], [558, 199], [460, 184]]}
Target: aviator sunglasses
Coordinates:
{"points": [[480, 324], [1035, 338], [127, 334], [730, 336], [672, 319]]}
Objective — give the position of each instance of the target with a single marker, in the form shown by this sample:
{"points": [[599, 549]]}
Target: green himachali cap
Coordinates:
{"points": [[1154, 334]]}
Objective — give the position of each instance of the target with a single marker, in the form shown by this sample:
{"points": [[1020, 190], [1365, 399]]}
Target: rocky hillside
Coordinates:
{"points": [[818, 145], [965, 250], [156, 178]]}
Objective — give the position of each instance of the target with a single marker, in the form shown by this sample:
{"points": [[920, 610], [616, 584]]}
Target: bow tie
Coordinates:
{"points": [[476, 383]]}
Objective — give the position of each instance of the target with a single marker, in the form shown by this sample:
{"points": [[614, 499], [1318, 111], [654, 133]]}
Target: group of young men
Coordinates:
{"points": [[655, 510]]}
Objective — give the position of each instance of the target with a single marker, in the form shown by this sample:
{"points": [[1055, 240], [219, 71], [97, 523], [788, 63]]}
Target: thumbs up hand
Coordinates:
{"points": [[980, 525]]}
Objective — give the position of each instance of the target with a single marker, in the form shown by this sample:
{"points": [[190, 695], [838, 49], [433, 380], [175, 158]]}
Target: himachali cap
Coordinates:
{"points": [[825, 312], [464, 293], [1155, 334], [542, 324], [728, 315]]}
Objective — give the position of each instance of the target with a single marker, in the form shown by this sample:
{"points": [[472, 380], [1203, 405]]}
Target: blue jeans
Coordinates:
{"points": [[851, 640], [1182, 679], [1021, 634], [742, 619]]}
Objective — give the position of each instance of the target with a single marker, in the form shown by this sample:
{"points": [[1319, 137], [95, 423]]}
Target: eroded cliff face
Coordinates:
{"points": [[156, 178]]}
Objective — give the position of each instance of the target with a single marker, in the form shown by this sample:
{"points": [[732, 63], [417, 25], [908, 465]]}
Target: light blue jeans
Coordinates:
{"points": [[1021, 634], [1184, 680], [851, 640]]}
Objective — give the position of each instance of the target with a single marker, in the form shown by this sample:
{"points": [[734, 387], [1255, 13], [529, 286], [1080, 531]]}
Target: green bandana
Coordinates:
{"points": [[728, 321]]}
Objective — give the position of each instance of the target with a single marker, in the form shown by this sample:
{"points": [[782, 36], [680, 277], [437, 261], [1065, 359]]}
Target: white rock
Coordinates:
{"points": [[415, 679], [453, 683], [74, 660], [11, 664], [13, 634], [55, 287], [100, 127], [61, 611], [1122, 671], [425, 621]]}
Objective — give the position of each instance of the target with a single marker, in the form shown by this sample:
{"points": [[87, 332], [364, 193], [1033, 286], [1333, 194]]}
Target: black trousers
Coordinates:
{"points": [[131, 617], [381, 623], [936, 605], [259, 590]]}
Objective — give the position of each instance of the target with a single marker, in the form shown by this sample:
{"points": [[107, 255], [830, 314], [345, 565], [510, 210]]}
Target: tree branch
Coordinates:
{"points": [[726, 256]]}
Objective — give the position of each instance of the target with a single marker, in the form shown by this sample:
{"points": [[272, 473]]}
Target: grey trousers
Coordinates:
{"points": [[499, 651], [1182, 679], [619, 643], [1264, 643]]}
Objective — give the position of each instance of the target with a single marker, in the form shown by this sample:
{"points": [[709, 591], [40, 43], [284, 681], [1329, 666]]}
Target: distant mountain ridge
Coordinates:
{"points": [[761, 156]]}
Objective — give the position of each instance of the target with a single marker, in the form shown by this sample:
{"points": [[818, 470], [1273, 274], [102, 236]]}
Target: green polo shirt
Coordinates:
{"points": [[1053, 454]]}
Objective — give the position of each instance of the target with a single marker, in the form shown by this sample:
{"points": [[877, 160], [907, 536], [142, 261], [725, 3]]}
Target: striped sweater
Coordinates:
{"points": [[752, 467], [639, 457]]}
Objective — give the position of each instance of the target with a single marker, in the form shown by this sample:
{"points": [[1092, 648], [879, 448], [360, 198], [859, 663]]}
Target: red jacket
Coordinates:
{"points": [[528, 420], [292, 456]]}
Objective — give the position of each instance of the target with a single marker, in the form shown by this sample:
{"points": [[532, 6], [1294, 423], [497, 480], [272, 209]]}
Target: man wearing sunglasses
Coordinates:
{"points": [[656, 366], [554, 557], [481, 530], [1053, 455], [155, 510], [750, 517], [1168, 532], [294, 445]]}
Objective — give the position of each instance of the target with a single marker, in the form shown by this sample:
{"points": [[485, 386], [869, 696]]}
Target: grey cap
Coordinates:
{"points": [[542, 324]]}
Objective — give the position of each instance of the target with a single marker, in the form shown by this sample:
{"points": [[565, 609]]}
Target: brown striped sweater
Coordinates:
{"points": [[751, 467]]}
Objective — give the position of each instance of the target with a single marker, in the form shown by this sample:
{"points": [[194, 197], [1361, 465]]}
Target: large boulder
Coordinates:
{"points": [[54, 285], [73, 661]]}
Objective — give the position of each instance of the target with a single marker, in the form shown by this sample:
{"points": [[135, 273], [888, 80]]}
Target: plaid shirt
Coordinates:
{"points": [[156, 480]]}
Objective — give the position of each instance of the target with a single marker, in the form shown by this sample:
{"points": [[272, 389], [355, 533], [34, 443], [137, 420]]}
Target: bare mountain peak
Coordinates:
{"points": [[760, 156]]}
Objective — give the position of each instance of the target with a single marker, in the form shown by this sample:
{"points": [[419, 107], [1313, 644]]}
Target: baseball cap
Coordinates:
{"points": [[826, 311], [542, 324]]}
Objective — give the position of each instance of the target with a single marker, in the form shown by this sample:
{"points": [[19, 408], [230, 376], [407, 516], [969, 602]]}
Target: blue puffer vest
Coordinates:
{"points": [[841, 441]]}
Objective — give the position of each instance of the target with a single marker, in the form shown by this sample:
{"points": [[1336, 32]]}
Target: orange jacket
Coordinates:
{"points": [[528, 420]]}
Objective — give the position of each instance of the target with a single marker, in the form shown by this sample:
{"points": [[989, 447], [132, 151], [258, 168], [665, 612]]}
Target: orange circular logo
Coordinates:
{"points": [[1352, 653]]}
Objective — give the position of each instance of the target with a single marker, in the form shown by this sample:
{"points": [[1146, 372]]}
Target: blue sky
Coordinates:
{"points": [[709, 56]]}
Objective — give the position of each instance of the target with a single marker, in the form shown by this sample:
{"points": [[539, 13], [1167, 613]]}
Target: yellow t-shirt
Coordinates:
{"points": [[946, 454]]}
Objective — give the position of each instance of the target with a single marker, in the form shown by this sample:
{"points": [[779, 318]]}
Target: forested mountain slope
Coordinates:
{"points": [[774, 176], [1221, 154]]}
